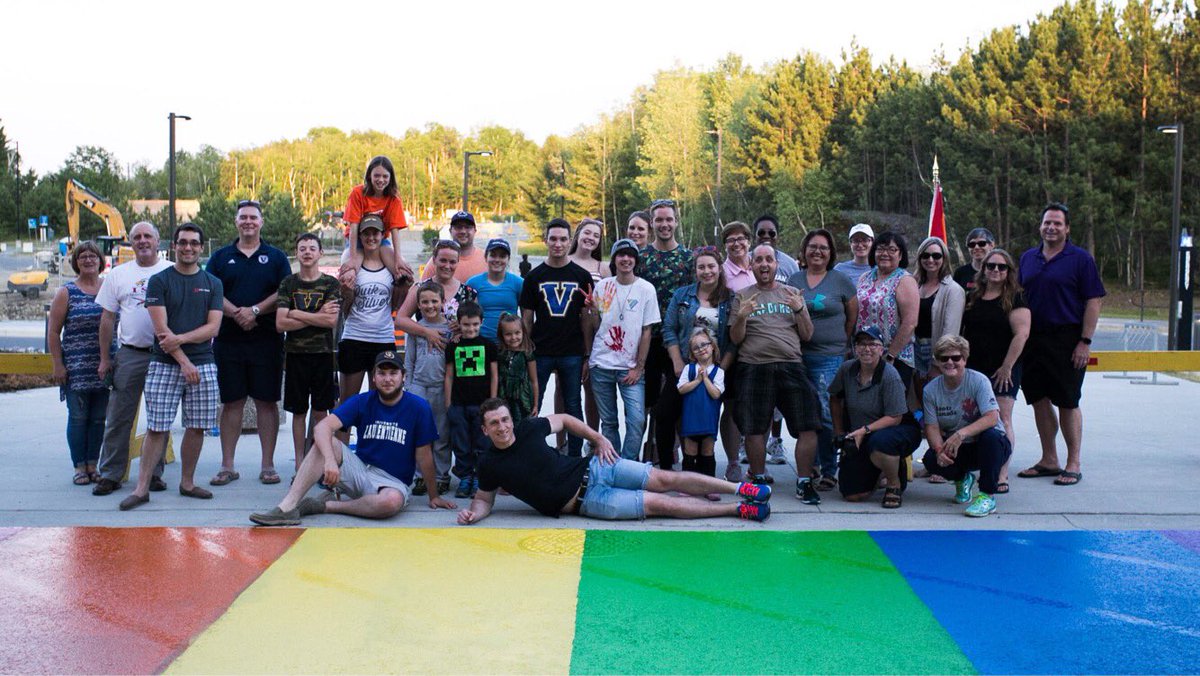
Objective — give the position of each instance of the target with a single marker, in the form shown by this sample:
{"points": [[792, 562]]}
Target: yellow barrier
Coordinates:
{"points": [[39, 364]]}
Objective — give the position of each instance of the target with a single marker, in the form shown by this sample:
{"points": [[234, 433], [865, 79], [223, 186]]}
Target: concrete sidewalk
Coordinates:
{"points": [[1141, 466]]}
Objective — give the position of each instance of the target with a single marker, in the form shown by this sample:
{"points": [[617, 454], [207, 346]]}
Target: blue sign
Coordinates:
{"points": [[44, 220], [33, 224]]}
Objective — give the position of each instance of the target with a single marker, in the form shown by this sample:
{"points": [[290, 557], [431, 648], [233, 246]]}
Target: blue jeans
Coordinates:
{"points": [[466, 438], [85, 425], [605, 383], [821, 370], [616, 491], [570, 380]]}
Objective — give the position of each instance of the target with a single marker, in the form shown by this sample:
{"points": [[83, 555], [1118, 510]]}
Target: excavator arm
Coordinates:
{"points": [[79, 195]]}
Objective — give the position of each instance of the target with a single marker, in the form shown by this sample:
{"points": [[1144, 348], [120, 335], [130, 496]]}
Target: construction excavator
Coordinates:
{"points": [[112, 245]]}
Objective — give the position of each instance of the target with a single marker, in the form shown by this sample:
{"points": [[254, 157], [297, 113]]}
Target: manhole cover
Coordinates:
{"points": [[556, 543]]}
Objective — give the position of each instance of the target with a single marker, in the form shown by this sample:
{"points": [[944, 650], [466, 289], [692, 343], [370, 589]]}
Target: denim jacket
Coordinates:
{"points": [[681, 317]]}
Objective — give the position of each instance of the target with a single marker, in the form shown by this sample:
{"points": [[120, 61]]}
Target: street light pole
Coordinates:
{"points": [[720, 154], [171, 171], [1174, 339], [467, 170]]}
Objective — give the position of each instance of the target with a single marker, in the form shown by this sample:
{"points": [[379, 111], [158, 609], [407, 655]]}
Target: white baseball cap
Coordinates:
{"points": [[864, 229]]}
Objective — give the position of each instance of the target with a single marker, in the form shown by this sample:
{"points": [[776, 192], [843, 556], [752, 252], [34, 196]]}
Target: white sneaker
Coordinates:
{"points": [[742, 452], [775, 451], [733, 472]]}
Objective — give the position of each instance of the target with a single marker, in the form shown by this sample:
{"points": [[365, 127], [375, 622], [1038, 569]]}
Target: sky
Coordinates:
{"points": [[251, 72]]}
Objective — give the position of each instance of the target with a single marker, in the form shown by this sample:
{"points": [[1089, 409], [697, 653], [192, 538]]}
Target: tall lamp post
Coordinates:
{"points": [[1176, 329], [467, 170], [717, 228], [171, 171]]}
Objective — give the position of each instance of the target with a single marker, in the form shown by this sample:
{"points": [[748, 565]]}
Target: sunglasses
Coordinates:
{"points": [[249, 203], [944, 358], [767, 234], [662, 203], [934, 255], [1002, 267], [447, 244], [978, 244]]}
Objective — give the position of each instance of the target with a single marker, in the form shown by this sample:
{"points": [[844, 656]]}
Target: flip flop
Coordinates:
{"points": [[1068, 478], [1038, 471], [268, 476], [1002, 488], [223, 477]]}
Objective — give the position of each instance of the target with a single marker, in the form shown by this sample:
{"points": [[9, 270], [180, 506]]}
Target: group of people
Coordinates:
{"points": [[861, 358]]}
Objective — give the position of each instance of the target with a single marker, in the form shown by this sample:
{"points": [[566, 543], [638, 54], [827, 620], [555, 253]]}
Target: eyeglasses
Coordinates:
{"points": [[87, 257], [767, 234], [978, 244], [740, 239], [699, 345], [944, 358], [188, 242], [934, 255], [249, 203], [817, 248], [887, 250], [1001, 267], [867, 346]]}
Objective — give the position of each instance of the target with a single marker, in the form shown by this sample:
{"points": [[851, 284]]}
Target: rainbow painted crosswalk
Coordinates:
{"points": [[478, 600]]}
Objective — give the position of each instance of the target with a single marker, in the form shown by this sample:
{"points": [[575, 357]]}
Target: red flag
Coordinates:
{"points": [[937, 214]]}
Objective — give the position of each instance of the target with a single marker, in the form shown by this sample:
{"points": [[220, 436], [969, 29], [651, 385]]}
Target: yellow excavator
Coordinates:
{"points": [[112, 245]]}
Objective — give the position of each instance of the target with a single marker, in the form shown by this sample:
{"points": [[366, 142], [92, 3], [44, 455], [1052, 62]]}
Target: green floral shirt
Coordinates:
{"points": [[667, 271]]}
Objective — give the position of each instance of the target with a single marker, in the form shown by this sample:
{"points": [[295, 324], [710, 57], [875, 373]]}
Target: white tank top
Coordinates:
{"points": [[370, 318]]}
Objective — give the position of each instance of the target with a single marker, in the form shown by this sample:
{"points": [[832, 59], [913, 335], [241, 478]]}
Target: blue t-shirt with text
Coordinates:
{"points": [[388, 436]]}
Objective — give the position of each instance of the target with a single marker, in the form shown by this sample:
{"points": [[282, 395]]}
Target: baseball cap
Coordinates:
{"points": [[872, 331], [388, 357], [498, 243], [864, 229], [623, 244], [370, 221], [461, 217]]}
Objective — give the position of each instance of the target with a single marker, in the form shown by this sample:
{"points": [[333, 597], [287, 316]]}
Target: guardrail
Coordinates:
{"points": [[34, 363]]}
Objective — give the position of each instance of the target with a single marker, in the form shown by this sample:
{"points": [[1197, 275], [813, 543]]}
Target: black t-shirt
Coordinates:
{"points": [[470, 358], [556, 296], [965, 277], [985, 326], [532, 471]]}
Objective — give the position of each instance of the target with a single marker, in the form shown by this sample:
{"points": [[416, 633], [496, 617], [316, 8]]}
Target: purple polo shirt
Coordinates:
{"points": [[1058, 290], [736, 278]]}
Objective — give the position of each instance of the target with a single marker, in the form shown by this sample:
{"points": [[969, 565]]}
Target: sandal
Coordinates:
{"points": [[1038, 471], [81, 479], [891, 497], [223, 477], [94, 476], [1002, 488], [268, 476], [1068, 478], [827, 483]]}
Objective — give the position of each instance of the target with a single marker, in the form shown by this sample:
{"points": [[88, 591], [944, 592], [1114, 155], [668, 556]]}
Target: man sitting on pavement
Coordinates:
{"points": [[395, 431], [601, 486]]}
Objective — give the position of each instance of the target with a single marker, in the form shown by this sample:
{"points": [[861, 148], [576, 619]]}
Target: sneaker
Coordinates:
{"points": [[754, 492], [775, 452], [733, 472], [754, 511], [309, 506], [474, 486], [742, 452], [983, 505], [419, 487], [443, 486], [464, 488], [277, 517], [157, 484], [807, 493], [760, 479], [963, 488]]}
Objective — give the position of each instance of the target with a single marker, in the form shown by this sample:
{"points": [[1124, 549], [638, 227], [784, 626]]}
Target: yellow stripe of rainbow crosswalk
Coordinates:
{"points": [[385, 600]]}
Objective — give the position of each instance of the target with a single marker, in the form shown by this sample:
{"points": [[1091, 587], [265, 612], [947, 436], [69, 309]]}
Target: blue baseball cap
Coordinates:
{"points": [[872, 331], [498, 243], [623, 244]]}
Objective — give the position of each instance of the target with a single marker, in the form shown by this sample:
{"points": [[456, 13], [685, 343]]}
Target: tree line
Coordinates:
{"points": [[1065, 108]]}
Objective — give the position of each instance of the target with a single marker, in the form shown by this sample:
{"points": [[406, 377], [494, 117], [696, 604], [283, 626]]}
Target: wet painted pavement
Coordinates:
{"points": [[472, 600]]}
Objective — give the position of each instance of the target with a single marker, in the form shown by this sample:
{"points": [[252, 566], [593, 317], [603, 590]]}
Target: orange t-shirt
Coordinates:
{"points": [[389, 208]]}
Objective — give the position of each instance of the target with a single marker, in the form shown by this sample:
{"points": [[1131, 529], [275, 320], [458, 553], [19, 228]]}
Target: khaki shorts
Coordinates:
{"points": [[359, 479]]}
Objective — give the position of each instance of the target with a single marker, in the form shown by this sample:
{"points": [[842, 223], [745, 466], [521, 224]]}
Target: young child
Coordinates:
{"points": [[701, 384], [517, 368], [426, 369], [378, 195], [307, 310], [471, 378]]}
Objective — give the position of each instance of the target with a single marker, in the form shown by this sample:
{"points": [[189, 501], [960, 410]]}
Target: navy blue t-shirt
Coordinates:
{"points": [[248, 280], [388, 436]]}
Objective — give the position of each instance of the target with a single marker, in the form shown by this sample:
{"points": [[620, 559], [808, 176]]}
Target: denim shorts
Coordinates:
{"points": [[615, 491]]}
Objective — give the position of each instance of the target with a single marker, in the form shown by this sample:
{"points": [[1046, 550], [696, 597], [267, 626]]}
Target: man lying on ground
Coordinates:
{"points": [[602, 486]]}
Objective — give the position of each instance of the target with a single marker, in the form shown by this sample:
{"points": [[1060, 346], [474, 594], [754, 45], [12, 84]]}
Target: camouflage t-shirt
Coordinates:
{"points": [[667, 271], [297, 294]]}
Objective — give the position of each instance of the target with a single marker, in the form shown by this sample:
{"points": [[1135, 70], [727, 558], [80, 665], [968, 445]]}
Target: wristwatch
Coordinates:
{"points": [[1085, 340], [255, 310]]}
